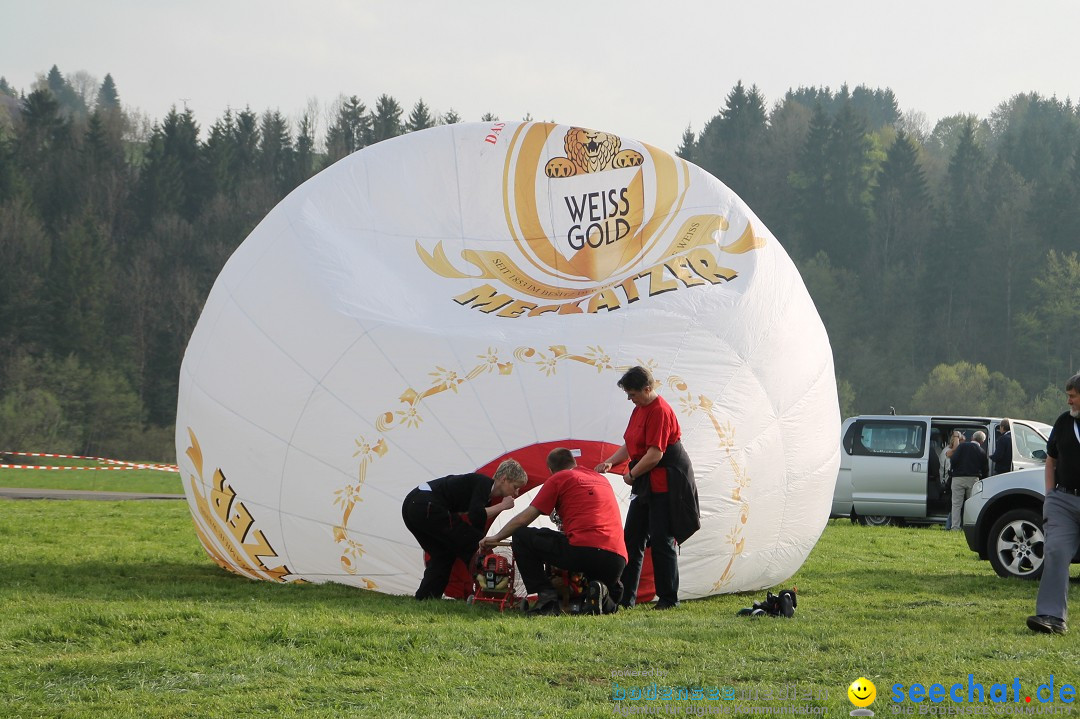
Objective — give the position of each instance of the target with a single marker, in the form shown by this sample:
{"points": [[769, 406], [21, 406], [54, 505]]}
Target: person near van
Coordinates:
{"points": [[1061, 516], [969, 465], [448, 516], [946, 471], [1002, 456]]}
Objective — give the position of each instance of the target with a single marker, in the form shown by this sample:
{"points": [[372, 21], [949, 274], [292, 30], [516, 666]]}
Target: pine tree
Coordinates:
{"points": [[71, 105], [41, 122], [173, 178], [832, 180], [689, 144], [217, 153], [730, 144], [895, 261], [350, 131], [1007, 253], [304, 166], [954, 275], [1032, 130], [276, 153], [46, 153], [107, 97], [24, 262], [809, 182], [103, 171], [963, 190], [901, 211], [386, 120], [420, 118], [450, 117], [1056, 213], [78, 290], [8, 174], [878, 108], [813, 98], [246, 146], [851, 170], [789, 125]]}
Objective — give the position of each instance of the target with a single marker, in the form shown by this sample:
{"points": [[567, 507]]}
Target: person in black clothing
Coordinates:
{"points": [[969, 465], [449, 516], [664, 510], [1002, 456], [1061, 516]]}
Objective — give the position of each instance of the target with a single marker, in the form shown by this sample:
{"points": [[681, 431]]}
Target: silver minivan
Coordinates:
{"points": [[890, 471]]}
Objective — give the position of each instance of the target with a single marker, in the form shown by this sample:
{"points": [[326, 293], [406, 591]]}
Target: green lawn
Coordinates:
{"points": [[111, 609], [128, 480]]}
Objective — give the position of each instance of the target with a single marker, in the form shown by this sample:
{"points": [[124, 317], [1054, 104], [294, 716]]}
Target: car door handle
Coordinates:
{"points": [[916, 467]]}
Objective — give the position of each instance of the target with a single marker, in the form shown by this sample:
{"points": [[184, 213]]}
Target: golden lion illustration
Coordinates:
{"points": [[591, 151]]}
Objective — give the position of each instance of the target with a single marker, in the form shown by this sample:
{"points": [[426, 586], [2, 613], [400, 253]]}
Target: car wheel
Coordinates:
{"points": [[877, 520], [1015, 544]]}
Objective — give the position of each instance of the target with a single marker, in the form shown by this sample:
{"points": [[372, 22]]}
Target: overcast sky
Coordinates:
{"points": [[644, 69]]}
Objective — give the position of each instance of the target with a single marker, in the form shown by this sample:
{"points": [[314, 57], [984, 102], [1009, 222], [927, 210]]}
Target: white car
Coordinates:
{"points": [[1003, 522], [889, 471]]}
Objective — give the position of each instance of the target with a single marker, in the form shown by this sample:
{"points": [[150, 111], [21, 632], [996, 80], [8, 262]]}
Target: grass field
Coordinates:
{"points": [[111, 609], [129, 480]]}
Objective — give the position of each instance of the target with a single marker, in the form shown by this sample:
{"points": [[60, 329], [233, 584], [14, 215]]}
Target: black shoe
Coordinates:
{"points": [[787, 603], [752, 611], [547, 604], [664, 604], [1046, 624], [549, 608], [596, 597]]}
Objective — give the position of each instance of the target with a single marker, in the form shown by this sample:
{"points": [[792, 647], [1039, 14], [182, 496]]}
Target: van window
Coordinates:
{"points": [[889, 438], [1028, 441]]}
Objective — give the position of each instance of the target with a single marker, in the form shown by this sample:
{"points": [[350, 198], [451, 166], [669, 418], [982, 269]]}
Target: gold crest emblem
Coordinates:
{"points": [[585, 221], [591, 151]]}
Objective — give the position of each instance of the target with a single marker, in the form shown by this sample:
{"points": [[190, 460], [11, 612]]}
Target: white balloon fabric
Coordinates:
{"points": [[437, 302]]}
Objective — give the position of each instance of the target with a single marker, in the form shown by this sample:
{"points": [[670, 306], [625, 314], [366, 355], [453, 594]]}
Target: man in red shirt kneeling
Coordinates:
{"points": [[592, 542]]}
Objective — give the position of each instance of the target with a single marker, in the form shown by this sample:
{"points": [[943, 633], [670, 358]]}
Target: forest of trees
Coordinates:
{"points": [[942, 259]]}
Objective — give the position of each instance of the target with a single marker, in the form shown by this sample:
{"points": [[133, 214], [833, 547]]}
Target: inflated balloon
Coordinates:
{"points": [[438, 302]]}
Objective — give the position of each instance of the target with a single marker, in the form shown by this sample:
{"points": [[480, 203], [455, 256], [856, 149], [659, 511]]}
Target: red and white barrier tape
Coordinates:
{"points": [[114, 464]]}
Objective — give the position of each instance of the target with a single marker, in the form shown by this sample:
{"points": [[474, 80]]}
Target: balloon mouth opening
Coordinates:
{"points": [[533, 458]]}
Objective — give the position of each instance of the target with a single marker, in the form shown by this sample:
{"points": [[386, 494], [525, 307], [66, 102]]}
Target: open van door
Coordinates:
{"points": [[889, 465], [1028, 446]]}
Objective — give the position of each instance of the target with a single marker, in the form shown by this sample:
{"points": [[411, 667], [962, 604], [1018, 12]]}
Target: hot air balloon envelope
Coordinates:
{"points": [[437, 302]]}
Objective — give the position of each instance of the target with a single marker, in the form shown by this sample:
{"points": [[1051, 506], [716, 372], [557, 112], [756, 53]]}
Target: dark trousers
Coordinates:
{"points": [[648, 521], [443, 534], [535, 547]]}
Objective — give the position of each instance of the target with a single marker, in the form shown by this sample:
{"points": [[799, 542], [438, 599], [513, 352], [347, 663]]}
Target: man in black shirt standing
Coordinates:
{"points": [[1061, 516], [1002, 456], [969, 465], [449, 517]]}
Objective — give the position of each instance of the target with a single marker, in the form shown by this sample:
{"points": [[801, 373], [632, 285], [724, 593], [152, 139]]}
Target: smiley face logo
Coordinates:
{"points": [[862, 692]]}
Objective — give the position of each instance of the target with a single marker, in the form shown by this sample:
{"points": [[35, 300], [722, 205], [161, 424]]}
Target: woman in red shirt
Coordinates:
{"points": [[663, 505]]}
